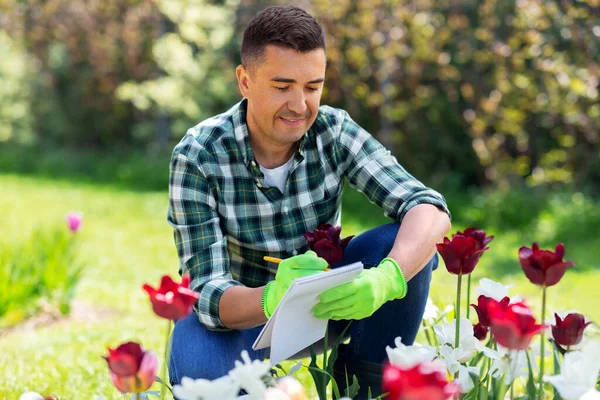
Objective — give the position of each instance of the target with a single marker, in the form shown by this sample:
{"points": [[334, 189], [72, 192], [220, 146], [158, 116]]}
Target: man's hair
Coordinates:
{"points": [[289, 27]]}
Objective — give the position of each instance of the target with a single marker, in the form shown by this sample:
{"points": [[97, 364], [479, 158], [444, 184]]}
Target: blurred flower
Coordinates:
{"points": [[132, 369], [31, 396], [422, 382], [461, 254], [579, 372], [431, 310], [408, 356], [569, 331], [74, 220], [482, 308], [467, 343], [325, 241], [513, 326], [512, 367], [478, 235], [224, 388], [248, 374], [591, 394], [490, 288], [480, 331], [544, 267], [291, 388], [172, 300]]}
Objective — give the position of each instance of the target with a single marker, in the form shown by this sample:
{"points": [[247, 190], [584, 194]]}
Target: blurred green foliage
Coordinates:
{"points": [[463, 92], [41, 272]]}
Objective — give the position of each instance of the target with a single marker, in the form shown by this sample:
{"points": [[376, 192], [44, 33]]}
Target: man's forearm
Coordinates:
{"points": [[422, 227], [240, 307]]}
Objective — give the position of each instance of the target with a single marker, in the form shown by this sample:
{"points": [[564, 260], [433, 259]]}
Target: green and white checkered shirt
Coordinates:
{"points": [[225, 218]]}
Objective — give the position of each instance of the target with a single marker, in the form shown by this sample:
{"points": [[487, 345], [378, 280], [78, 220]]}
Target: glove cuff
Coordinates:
{"points": [[265, 299], [396, 282]]}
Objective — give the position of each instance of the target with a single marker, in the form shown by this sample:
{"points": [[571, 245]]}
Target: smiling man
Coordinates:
{"points": [[252, 181]]}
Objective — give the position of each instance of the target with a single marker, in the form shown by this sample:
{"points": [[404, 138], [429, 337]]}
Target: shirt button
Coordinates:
{"points": [[295, 252], [259, 185], [253, 163], [285, 209]]}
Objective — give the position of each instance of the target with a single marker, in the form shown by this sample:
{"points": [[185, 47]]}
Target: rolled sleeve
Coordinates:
{"points": [[374, 171], [200, 244]]}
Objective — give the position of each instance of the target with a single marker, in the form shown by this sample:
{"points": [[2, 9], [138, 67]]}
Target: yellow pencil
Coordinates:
{"points": [[278, 260]]}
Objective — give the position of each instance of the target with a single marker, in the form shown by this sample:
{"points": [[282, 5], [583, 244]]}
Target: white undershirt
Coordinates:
{"points": [[277, 176]]}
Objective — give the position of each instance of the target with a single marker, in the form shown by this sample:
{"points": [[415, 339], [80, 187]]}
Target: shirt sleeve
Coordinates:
{"points": [[374, 171], [201, 245]]}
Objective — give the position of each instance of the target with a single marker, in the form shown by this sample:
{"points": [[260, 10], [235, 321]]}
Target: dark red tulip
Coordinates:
{"points": [[480, 331], [325, 241], [478, 235], [132, 369], [569, 332], [482, 308], [544, 267], [421, 382], [461, 254], [513, 326], [172, 300]]}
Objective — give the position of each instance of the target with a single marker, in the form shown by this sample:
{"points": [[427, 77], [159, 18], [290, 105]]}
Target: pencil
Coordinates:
{"points": [[278, 260]]}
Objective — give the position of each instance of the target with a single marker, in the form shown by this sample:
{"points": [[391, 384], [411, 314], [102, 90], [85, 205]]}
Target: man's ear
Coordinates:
{"points": [[243, 78]]}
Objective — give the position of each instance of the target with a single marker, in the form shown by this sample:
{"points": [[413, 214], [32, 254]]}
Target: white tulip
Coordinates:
{"points": [[248, 374], [492, 289], [579, 372], [408, 356], [224, 388]]}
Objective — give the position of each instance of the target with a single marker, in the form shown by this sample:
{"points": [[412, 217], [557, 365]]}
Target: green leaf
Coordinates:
{"points": [[556, 371], [319, 376], [530, 386], [165, 384]]}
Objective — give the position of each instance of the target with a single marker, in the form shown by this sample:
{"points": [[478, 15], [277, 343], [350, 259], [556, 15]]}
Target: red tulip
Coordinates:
{"points": [[420, 382], [480, 331], [172, 300], [478, 235], [461, 254], [569, 332], [544, 267], [132, 369], [325, 241], [482, 308], [513, 326]]}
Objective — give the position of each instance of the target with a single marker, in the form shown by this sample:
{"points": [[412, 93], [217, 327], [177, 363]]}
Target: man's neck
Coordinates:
{"points": [[272, 156]]}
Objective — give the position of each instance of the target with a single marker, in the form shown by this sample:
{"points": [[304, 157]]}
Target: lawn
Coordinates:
{"points": [[126, 241]]}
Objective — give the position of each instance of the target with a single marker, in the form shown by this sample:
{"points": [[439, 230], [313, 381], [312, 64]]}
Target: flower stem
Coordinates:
{"points": [[468, 295], [543, 339], [457, 316], [138, 396], [163, 389]]}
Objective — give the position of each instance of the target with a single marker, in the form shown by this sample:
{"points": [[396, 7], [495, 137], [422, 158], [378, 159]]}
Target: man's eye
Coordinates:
{"points": [[312, 89], [281, 89]]}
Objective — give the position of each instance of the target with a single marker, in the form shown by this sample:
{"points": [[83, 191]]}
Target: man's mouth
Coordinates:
{"points": [[292, 121]]}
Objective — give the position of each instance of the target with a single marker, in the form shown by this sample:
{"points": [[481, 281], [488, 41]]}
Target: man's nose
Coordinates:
{"points": [[297, 103]]}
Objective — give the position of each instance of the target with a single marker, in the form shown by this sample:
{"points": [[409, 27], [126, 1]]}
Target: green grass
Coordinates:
{"points": [[126, 241]]}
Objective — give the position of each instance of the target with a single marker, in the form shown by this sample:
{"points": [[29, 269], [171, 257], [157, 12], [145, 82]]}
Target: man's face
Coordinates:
{"points": [[284, 94]]}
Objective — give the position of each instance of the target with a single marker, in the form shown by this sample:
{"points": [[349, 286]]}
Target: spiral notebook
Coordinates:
{"points": [[293, 327]]}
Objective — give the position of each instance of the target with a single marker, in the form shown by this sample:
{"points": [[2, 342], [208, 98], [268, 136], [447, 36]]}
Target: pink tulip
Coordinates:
{"points": [[74, 220], [132, 369]]}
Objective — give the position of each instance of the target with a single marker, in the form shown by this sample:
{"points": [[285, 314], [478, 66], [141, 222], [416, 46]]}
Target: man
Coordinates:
{"points": [[250, 182]]}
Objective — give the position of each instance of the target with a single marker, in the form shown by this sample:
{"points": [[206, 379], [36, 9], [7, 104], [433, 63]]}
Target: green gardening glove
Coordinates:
{"points": [[289, 269], [364, 295]]}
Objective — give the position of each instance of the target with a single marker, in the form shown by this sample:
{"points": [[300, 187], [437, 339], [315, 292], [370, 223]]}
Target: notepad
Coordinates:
{"points": [[292, 326]]}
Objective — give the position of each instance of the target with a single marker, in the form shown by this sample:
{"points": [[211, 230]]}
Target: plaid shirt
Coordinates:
{"points": [[225, 218]]}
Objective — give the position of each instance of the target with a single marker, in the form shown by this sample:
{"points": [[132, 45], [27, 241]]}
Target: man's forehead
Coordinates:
{"points": [[290, 66]]}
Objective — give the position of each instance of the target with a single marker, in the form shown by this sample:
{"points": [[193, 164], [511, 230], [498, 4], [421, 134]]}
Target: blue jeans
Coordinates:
{"points": [[200, 353]]}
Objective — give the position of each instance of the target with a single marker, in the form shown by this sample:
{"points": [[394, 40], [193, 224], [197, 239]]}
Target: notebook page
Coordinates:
{"points": [[292, 326]]}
